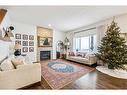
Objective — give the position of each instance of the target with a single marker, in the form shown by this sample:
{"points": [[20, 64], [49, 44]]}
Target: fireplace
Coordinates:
{"points": [[44, 55]]}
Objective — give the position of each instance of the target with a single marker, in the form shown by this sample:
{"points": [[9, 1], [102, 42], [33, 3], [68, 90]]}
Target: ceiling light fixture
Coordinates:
{"points": [[49, 25]]}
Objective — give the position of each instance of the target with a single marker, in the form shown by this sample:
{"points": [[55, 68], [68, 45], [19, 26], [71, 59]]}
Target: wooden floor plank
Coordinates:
{"points": [[92, 80]]}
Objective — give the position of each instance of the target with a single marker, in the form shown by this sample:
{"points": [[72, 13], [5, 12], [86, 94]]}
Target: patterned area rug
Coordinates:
{"points": [[60, 73]]}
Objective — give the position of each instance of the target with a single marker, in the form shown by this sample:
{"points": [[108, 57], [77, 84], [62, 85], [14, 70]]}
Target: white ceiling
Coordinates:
{"points": [[63, 18]]}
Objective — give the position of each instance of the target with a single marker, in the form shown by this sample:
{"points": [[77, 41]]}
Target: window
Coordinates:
{"points": [[77, 45], [87, 43]]}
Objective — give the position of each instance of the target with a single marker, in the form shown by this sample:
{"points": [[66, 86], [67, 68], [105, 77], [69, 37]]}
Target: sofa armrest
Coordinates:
{"points": [[92, 59], [23, 76]]}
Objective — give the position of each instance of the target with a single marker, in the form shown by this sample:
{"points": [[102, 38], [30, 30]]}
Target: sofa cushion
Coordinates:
{"points": [[6, 65]]}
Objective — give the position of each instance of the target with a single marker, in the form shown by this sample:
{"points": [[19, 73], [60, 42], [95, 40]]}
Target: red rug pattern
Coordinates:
{"points": [[57, 80]]}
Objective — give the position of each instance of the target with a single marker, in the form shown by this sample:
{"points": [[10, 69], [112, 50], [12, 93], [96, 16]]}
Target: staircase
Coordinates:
{"points": [[2, 14]]}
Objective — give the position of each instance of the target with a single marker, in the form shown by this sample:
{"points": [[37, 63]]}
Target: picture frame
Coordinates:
{"points": [[25, 43], [17, 36], [31, 49], [45, 41], [25, 37], [31, 43], [17, 42], [25, 49], [31, 37]]}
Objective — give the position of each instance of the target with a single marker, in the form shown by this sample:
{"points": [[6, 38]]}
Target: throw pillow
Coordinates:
{"points": [[6, 65], [71, 54], [17, 62], [84, 55]]}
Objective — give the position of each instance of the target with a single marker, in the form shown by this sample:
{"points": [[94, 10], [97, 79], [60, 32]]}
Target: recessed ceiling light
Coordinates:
{"points": [[49, 25]]}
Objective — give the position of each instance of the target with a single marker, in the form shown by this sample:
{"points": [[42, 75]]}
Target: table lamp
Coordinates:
{"points": [[17, 49]]}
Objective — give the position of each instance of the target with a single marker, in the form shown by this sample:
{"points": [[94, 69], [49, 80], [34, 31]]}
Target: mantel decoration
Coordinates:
{"points": [[44, 41], [113, 50]]}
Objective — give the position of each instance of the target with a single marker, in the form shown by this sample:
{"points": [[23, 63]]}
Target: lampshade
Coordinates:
{"points": [[9, 31], [17, 46], [6, 38], [10, 34]]}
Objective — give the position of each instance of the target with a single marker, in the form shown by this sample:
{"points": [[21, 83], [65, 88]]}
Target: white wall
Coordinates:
{"points": [[4, 46], [22, 28], [101, 27], [57, 35]]}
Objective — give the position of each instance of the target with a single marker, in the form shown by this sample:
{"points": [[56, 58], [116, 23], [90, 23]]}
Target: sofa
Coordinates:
{"points": [[84, 58], [24, 75]]}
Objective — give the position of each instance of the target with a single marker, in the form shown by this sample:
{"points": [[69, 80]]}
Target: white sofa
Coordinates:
{"points": [[89, 59], [23, 76]]}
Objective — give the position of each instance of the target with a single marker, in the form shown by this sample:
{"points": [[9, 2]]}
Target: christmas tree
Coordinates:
{"points": [[113, 50]]}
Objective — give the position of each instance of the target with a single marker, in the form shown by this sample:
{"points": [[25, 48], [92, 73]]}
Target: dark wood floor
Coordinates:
{"points": [[92, 80]]}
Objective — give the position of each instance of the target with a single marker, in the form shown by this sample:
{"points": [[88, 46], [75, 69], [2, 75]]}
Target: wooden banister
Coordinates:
{"points": [[2, 14]]}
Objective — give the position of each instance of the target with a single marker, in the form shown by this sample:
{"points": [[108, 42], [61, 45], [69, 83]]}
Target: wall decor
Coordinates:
{"points": [[25, 43], [18, 42], [25, 37], [31, 49], [31, 43], [17, 36], [25, 49], [44, 41], [31, 37]]}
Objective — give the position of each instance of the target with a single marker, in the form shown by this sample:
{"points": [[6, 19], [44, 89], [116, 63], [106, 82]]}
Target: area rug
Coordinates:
{"points": [[114, 73], [60, 73]]}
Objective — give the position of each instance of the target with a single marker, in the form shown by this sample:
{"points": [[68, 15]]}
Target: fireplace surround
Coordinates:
{"points": [[45, 55]]}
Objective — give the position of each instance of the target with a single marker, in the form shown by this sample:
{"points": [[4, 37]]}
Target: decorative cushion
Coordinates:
{"points": [[84, 55], [6, 65], [78, 54], [17, 62], [71, 54], [81, 54]]}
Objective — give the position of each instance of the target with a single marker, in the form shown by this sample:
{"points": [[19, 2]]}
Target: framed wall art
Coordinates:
{"points": [[44, 41], [17, 36], [18, 42], [25, 43], [31, 37], [25, 37], [31, 49], [31, 43], [25, 49]]}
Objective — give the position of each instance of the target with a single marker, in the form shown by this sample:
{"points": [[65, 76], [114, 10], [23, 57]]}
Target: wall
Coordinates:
{"points": [[22, 28], [4, 46], [101, 27]]}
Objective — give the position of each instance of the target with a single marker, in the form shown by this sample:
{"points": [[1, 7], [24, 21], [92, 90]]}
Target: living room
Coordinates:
{"points": [[55, 47]]}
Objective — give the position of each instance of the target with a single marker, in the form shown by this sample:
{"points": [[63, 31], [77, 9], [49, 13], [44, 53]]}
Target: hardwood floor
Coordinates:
{"points": [[92, 80]]}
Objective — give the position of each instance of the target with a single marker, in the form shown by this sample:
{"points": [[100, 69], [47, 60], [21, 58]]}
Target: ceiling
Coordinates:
{"points": [[63, 18]]}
